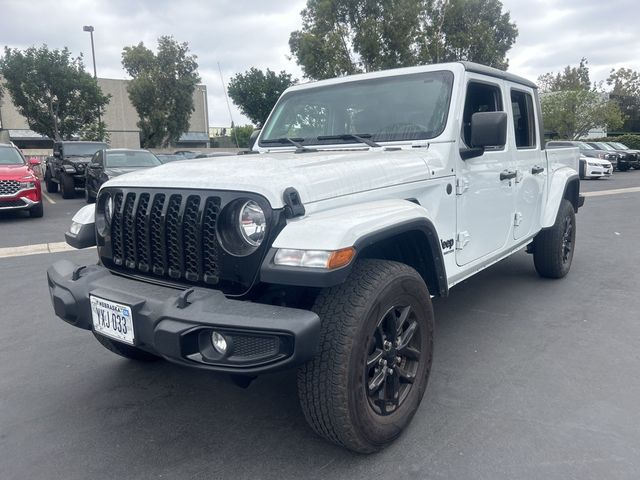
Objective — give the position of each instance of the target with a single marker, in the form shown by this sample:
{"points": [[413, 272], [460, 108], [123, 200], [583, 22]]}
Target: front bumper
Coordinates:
{"points": [[23, 200], [597, 171], [177, 324]]}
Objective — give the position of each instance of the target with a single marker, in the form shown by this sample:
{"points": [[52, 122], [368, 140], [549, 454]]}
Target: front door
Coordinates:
{"points": [[485, 202]]}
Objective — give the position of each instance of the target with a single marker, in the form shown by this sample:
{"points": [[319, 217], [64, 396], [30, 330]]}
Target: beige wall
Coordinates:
{"points": [[120, 116]]}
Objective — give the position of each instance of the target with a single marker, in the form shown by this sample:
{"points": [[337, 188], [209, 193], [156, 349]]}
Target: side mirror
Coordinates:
{"points": [[488, 129], [95, 165], [34, 162], [56, 153], [253, 138], [82, 233]]}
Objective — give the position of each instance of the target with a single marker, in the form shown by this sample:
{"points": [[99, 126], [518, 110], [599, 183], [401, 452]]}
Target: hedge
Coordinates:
{"points": [[631, 141]]}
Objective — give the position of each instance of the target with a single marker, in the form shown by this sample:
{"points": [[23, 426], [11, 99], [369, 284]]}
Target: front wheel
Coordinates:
{"points": [[376, 343], [87, 195], [553, 248], [67, 186], [52, 187]]}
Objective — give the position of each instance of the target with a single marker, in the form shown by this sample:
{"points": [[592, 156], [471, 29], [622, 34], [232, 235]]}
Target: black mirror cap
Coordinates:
{"points": [[253, 138], [488, 129]]}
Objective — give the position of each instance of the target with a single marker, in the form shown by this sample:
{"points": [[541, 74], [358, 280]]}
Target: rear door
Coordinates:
{"points": [[530, 162]]}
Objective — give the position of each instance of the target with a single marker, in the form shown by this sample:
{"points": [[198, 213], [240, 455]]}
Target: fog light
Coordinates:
{"points": [[219, 342]]}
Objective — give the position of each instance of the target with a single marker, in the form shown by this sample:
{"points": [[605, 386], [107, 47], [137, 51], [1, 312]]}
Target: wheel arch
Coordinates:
{"points": [[564, 184], [397, 230]]}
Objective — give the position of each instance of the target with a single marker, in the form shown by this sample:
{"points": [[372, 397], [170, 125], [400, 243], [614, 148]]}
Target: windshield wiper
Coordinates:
{"points": [[293, 141], [361, 137]]}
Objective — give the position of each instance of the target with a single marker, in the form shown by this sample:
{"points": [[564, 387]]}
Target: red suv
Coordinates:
{"points": [[19, 185]]}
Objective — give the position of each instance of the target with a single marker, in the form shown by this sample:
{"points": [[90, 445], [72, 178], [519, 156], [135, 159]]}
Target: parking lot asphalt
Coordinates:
{"points": [[531, 378]]}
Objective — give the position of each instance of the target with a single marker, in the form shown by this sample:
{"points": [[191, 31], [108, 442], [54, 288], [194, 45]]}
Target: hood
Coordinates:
{"points": [[317, 175], [14, 172], [83, 159]]}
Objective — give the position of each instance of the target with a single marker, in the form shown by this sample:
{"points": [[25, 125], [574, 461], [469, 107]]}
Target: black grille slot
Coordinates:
{"points": [[142, 233], [172, 236], [191, 240], [116, 230], [128, 232], [211, 247], [156, 245]]}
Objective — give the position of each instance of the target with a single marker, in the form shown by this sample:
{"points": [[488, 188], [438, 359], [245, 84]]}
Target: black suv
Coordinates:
{"points": [[625, 160], [66, 168]]}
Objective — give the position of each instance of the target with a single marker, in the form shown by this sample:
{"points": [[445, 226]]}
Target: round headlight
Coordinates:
{"points": [[108, 209], [252, 223]]}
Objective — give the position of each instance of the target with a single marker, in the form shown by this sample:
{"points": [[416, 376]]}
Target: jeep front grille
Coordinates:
{"points": [[172, 235], [163, 235], [9, 187]]}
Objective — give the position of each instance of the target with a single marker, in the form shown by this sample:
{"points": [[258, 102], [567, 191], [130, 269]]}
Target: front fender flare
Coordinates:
{"points": [[359, 226]]}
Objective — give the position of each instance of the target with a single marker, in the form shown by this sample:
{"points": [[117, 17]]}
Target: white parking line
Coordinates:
{"points": [[49, 199], [616, 191], [37, 249]]}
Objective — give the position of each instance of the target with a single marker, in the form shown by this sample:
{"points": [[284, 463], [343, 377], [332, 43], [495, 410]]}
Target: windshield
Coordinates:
{"points": [[619, 146], [84, 149], [131, 159], [407, 107], [584, 146], [10, 156], [604, 146]]}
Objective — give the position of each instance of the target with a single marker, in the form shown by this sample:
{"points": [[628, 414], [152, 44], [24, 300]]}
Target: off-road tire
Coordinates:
{"points": [[67, 186], [553, 248], [623, 168], [37, 211], [333, 386], [126, 351], [52, 187]]}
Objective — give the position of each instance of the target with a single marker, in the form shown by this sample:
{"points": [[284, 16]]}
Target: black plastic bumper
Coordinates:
{"points": [[177, 324]]}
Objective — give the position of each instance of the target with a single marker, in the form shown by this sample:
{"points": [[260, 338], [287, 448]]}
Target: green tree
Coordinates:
{"points": [[570, 114], [242, 134], [52, 91], [571, 78], [255, 92], [571, 105], [625, 92], [161, 89], [341, 37]]}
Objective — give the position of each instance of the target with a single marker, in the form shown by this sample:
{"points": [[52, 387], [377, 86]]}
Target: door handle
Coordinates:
{"points": [[508, 174], [537, 169]]}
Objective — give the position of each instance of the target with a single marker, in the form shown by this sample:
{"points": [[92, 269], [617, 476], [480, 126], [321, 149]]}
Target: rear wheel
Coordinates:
{"points": [[67, 186], [376, 342], [553, 248], [52, 187], [126, 351]]}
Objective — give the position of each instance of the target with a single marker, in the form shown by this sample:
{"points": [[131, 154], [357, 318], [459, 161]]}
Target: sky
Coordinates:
{"points": [[240, 34]]}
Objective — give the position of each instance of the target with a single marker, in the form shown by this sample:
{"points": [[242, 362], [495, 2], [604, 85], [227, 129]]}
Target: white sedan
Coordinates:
{"points": [[591, 167]]}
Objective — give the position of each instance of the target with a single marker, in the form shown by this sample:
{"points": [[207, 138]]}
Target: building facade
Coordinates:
{"points": [[120, 118]]}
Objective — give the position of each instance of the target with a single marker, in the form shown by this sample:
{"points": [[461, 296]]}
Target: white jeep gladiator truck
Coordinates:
{"points": [[362, 198]]}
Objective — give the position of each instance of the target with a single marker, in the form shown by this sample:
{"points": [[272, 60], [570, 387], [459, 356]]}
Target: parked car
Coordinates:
{"points": [[323, 249], [593, 163], [594, 168], [186, 154], [216, 154], [19, 185], [66, 169], [623, 162], [633, 156], [109, 163], [168, 157]]}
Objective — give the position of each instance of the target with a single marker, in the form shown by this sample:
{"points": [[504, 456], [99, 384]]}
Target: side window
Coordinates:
{"points": [[523, 119], [481, 97]]}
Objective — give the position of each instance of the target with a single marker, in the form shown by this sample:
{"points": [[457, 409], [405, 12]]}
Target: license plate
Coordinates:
{"points": [[112, 319]]}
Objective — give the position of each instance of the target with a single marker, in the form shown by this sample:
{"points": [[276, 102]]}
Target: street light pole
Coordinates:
{"points": [[89, 28]]}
